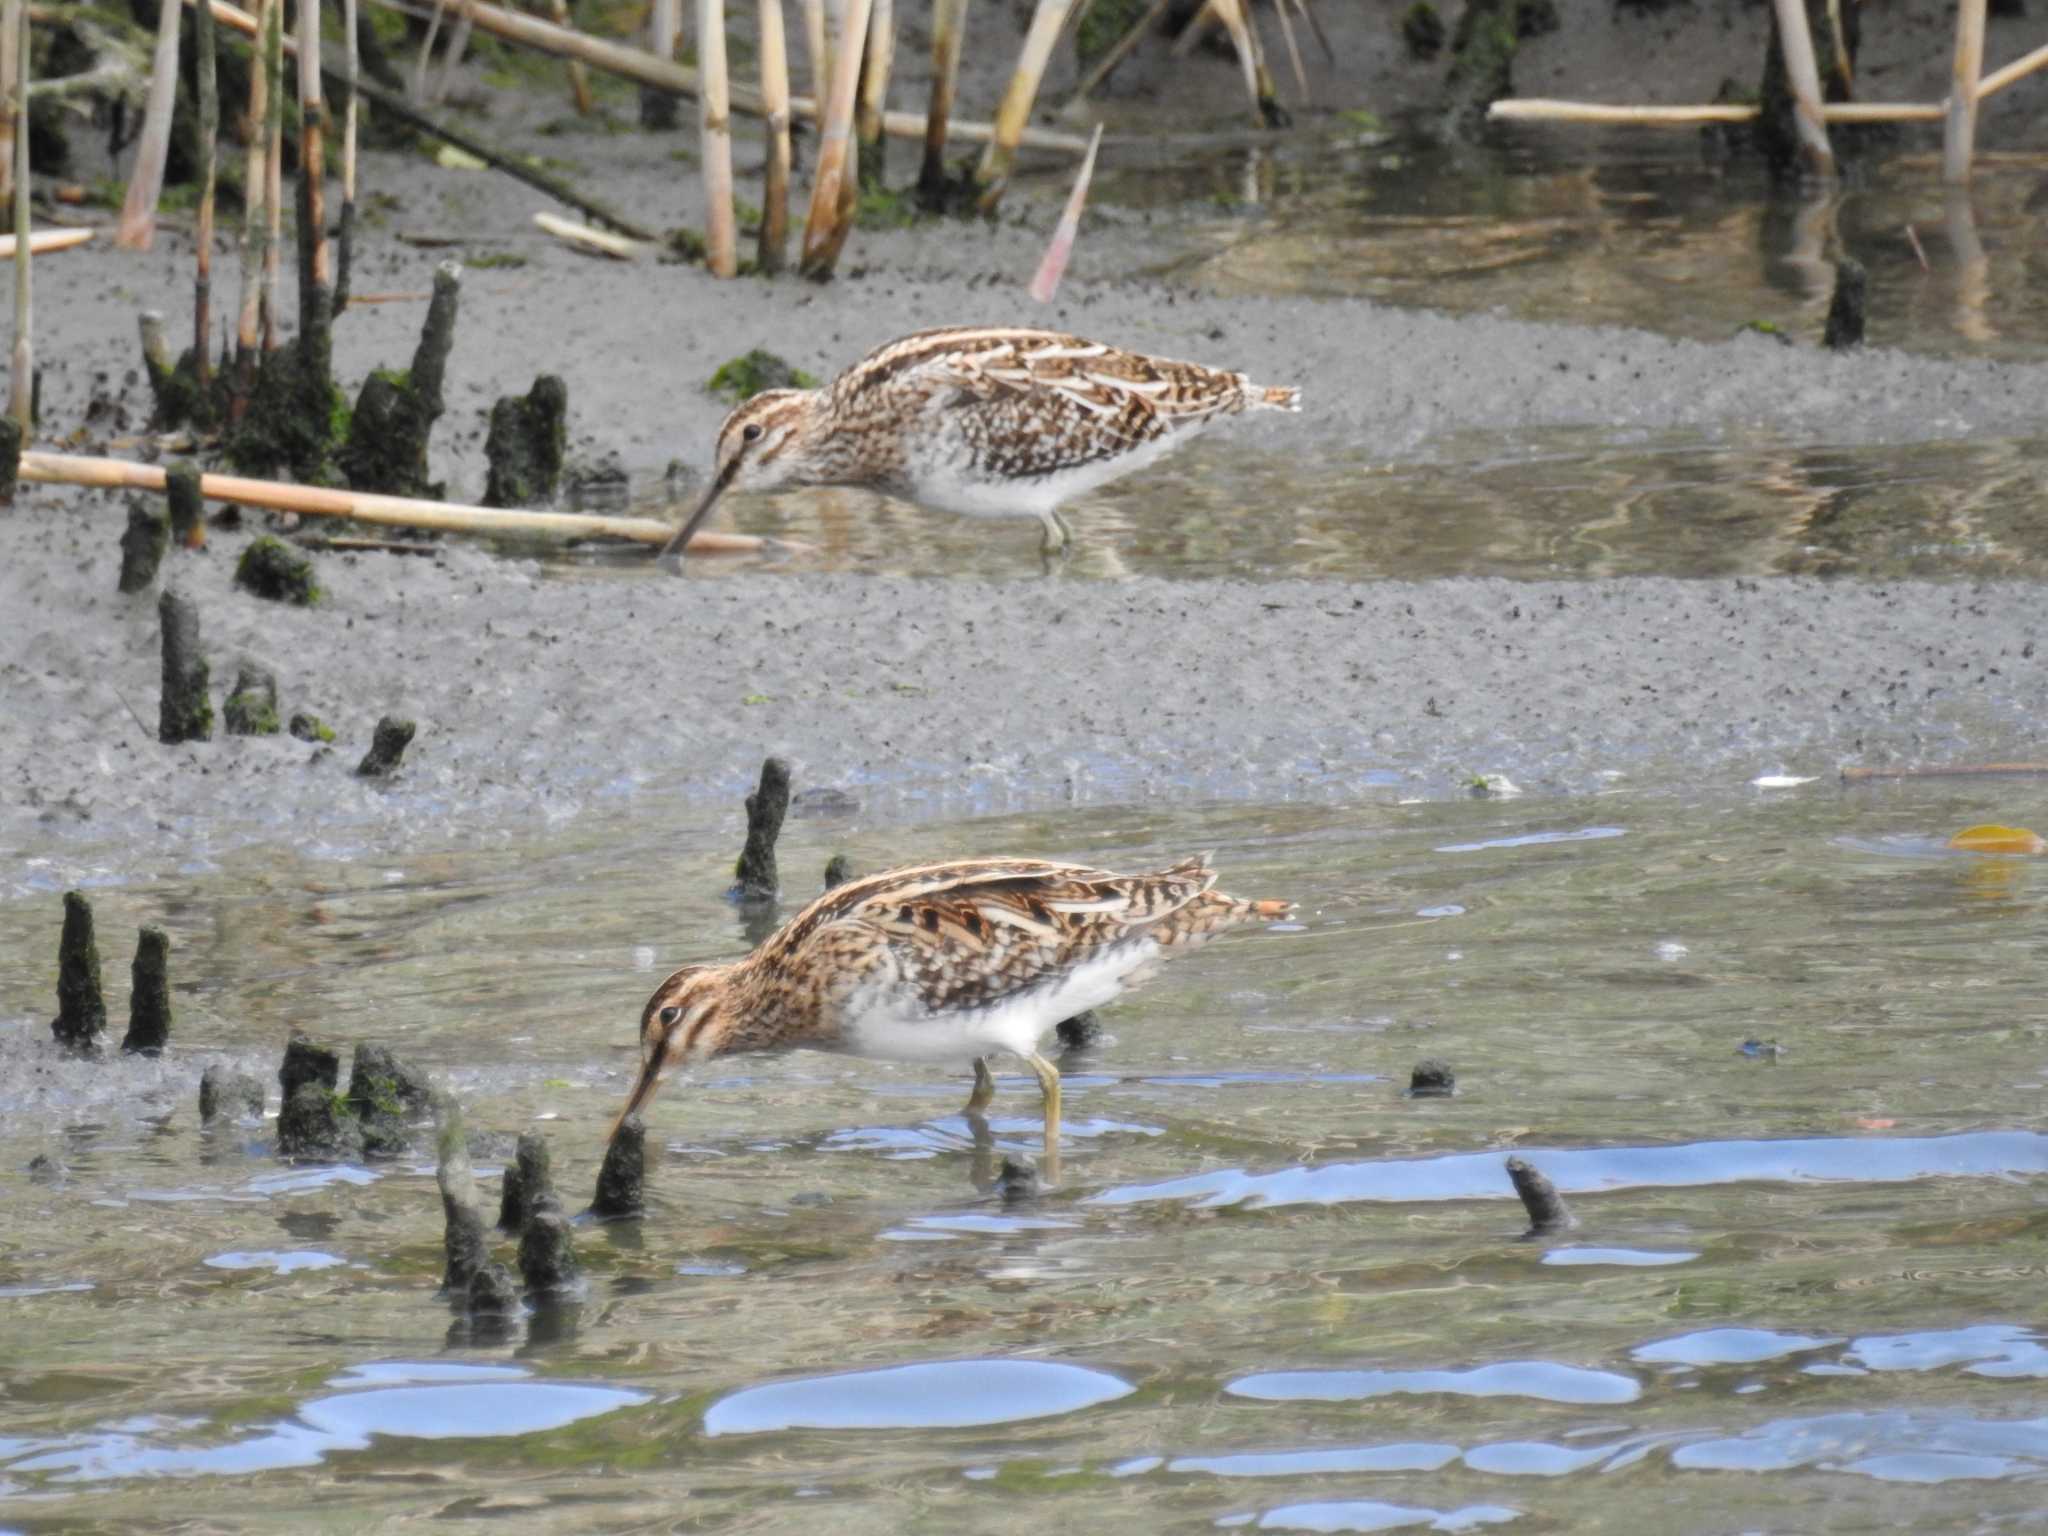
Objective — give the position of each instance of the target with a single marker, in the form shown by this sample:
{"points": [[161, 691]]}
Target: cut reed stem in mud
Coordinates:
{"points": [[771, 252], [312, 154], [1959, 137], [874, 86], [1802, 75], [350, 115], [137, 228], [273, 169], [714, 117], [993, 174], [817, 54], [255, 221], [826, 227], [22, 388], [395, 511], [949, 30], [209, 174]]}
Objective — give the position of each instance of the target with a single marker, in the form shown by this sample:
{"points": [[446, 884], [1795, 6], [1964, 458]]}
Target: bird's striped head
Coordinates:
{"points": [[760, 446], [685, 1022]]}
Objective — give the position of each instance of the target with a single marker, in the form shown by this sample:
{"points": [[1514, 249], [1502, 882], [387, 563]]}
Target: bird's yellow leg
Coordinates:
{"points": [[984, 1088], [1049, 1083]]}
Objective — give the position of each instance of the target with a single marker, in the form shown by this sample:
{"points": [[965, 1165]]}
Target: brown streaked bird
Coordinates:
{"points": [[940, 963], [986, 420]]}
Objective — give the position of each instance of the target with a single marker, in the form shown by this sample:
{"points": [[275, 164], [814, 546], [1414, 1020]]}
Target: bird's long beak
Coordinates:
{"points": [[671, 556], [644, 1085]]}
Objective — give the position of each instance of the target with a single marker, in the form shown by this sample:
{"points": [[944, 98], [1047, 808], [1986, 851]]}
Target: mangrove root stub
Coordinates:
{"points": [[622, 1181], [387, 748], [1546, 1207], [251, 710], [310, 727], [272, 569], [493, 1295], [395, 413], [225, 1092], [1432, 1078], [528, 1181], [81, 1005], [185, 714], [142, 546], [305, 1062], [547, 1255], [528, 437], [388, 1097], [314, 1124], [463, 1241], [1846, 309], [10, 457], [149, 1008], [188, 507], [755, 876], [838, 870]]}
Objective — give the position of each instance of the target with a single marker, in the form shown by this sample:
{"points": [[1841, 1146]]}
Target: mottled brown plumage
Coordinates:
{"points": [[939, 962], [990, 421]]}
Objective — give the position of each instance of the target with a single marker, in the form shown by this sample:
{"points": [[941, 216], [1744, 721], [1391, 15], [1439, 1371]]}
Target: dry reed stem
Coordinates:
{"points": [[1046, 282], [771, 253], [602, 242], [1047, 20], [453, 55], [22, 389], [1245, 43], [420, 64], [664, 28], [45, 241], [1316, 26], [1293, 52], [1959, 137], [949, 31], [714, 118], [874, 74], [392, 511], [204, 45], [637, 64], [1802, 75], [2012, 73], [312, 142], [255, 221], [273, 170], [1537, 109], [10, 106], [137, 228], [825, 229], [350, 116], [579, 77], [819, 55], [1115, 56]]}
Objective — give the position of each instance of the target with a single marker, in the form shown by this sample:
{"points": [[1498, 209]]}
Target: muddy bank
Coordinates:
{"points": [[537, 696]]}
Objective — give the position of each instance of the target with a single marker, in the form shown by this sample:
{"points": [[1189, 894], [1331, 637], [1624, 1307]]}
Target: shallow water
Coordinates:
{"points": [[1559, 502], [1272, 1290], [1611, 228]]}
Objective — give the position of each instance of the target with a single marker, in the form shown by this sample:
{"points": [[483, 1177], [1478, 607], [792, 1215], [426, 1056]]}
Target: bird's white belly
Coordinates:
{"points": [[954, 484], [889, 1027]]}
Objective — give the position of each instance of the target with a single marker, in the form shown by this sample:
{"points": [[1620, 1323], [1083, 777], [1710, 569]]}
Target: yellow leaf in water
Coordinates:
{"points": [[1991, 838]]}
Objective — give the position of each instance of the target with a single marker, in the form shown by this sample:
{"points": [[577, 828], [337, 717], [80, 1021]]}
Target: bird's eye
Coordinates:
{"points": [[669, 1015], [751, 432]]}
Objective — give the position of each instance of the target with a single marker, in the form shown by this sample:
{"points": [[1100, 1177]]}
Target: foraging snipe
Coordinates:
{"points": [[940, 963], [991, 421]]}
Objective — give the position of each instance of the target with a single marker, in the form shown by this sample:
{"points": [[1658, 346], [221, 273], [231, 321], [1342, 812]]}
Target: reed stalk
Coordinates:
{"points": [[874, 86], [420, 64], [1115, 56], [714, 117], [772, 251], [11, 108], [949, 31], [993, 174], [1047, 281], [44, 242], [452, 55], [1534, 109], [255, 222], [1251, 60], [22, 391], [818, 52], [1959, 138], [1293, 51], [826, 227], [2013, 73], [664, 28], [273, 169], [209, 170], [312, 157], [136, 230], [367, 507], [352, 83], [1802, 76], [579, 77]]}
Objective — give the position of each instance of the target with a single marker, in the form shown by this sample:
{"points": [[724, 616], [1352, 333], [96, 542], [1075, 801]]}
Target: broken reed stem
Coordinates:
{"points": [[312, 156], [637, 64], [255, 222], [44, 241], [2012, 73], [818, 54], [1959, 138], [1047, 20], [825, 229], [949, 30], [209, 169], [1115, 56], [874, 84], [21, 399], [351, 78], [137, 228], [1802, 75], [772, 252], [714, 118], [392, 511], [273, 169], [1061, 250], [1538, 109]]}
